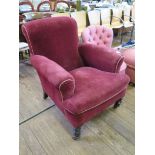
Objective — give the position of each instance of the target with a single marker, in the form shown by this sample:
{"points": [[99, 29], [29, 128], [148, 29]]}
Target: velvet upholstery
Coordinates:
{"points": [[105, 59], [101, 36], [63, 42], [69, 74], [129, 58], [98, 35], [55, 75]]}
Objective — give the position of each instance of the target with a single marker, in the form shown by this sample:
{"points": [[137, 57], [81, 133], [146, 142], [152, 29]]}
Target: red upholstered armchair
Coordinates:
{"points": [[81, 80]]}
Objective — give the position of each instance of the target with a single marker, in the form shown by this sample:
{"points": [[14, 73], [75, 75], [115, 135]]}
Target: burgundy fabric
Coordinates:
{"points": [[105, 59], [129, 58], [89, 82], [79, 120], [55, 74], [49, 38], [79, 92]]}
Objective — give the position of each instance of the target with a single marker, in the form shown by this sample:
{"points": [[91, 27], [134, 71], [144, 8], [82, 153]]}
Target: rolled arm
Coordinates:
{"points": [[102, 58], [55, 75]]}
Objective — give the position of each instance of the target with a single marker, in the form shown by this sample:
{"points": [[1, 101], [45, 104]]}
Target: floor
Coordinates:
{"points": [[44, 130]]}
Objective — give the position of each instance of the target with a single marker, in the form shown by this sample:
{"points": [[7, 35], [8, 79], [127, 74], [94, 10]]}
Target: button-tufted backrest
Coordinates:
{"points": [[98, 35]]}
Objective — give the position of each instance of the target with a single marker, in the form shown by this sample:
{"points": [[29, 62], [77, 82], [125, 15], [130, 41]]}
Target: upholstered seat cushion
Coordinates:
{"points": [[93, 88]]}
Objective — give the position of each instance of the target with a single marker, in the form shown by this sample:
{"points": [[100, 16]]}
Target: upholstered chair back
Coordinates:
{"points": [[106, 17], [117, 12], [80, 18], [127, 12], [49, 38], [98, 35], [26, 6], [133, 11], [66, 14], [44, 6], [94, 17]]}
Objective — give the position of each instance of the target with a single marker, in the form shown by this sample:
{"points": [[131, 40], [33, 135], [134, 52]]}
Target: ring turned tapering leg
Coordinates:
{"points": [[76, 133], [45, 95], [118, 103]]}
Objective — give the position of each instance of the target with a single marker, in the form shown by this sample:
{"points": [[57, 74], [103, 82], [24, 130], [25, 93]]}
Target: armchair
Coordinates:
{"points": [[25, 6], [69, 74]]}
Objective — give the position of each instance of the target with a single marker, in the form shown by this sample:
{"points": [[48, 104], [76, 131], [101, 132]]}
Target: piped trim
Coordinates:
{"points": [[118, 63], [28, 38], [131, 67], [97, 104], [62, 84]]}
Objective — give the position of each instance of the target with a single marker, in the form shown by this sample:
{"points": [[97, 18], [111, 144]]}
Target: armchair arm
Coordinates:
{"points": [[102, 58], [55, 75]]}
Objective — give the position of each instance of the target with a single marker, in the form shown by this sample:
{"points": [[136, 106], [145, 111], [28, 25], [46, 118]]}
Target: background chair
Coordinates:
{"points": [[133, 11], [44, 6], [25, 6], [82, 80], [100, 36], [67, 14], [106, 17], [117, 22], [128, 20], [94, 17], [129, 58], [61, 4], [80, 18]]}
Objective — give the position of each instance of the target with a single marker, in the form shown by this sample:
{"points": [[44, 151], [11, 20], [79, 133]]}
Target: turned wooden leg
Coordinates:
{"points": [[122, 33], [132, 84], [117, 104], [45, 95], [76, 133]]}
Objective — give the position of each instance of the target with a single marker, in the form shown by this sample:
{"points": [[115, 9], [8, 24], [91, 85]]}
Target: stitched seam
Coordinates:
{"points": [[96, 105], [63, 83], [118, 63], [28, 38], [130, 66]]}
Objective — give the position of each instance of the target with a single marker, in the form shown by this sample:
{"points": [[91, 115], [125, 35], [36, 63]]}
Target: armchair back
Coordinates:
{"points": [[49, 38]]}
